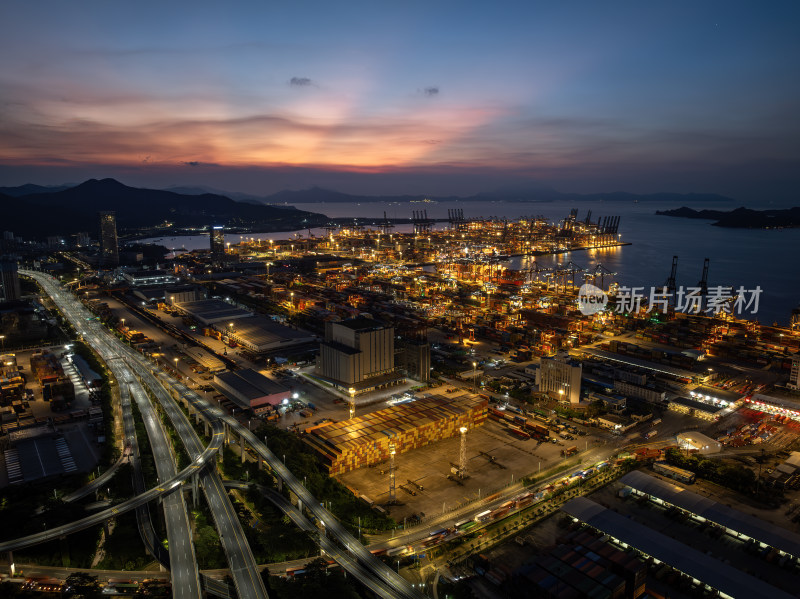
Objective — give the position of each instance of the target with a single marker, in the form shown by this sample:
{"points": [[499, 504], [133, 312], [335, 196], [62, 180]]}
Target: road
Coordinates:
{"points": [[243, 567], [99, 482], [400, 586], [184, 572], [183, 563]]}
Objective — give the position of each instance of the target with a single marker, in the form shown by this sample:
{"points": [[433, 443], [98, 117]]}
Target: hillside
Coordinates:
{"points": [[75, 209]]}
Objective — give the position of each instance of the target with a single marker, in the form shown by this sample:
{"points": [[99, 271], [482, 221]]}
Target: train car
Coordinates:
{"points": [[483, 516], [499, 513], [518, 432]]}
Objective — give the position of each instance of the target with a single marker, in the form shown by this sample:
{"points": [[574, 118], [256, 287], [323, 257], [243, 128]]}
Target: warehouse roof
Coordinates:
{"points": [[652, 366], [697, 405], [711, 571], [250, 383], [210, 311], [720, 514], [265, 333]]}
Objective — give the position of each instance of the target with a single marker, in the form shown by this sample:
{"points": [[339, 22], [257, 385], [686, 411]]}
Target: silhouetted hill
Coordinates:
{"points": [[741, 218], [30, 188], [75, 209]]}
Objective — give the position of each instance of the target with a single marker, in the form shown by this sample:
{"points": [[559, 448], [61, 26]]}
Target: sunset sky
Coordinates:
{"points": [[404, 97]]}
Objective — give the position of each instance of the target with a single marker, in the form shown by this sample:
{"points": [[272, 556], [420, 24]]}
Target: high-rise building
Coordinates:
{"points": [[109, 247], [9, 281], [358, 354], [217, 244], [560, 377]]}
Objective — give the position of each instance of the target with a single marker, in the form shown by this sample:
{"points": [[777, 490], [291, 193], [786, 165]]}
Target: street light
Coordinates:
{"points": [[475, 375], [352, 402], [3, 340]]}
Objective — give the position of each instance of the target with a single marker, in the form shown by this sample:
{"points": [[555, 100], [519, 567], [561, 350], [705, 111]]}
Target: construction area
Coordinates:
{"points": [[375, 437]]}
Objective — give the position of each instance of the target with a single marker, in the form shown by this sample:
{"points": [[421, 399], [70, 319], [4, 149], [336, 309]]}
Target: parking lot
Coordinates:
{"points": [[495, 458]]}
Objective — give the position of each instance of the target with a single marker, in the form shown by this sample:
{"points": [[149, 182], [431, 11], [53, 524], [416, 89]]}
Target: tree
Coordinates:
{"points": [[81, 585]]}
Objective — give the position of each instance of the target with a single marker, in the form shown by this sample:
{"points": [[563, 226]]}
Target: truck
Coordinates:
{"points": [[655, 422], [650, 434], [569, 451]]}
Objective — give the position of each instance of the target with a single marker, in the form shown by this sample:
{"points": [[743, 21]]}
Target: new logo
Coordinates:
{"points": [[591, 299]]}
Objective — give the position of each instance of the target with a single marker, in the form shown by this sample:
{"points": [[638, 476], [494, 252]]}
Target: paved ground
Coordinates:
{"points": [[428, 466]]}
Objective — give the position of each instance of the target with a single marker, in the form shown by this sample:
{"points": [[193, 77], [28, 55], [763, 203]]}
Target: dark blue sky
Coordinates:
{"points": [[411, 97]]}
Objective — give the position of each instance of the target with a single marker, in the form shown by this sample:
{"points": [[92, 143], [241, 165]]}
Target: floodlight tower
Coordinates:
{"points": [[352, 403], [392, 451], [462, 455]]}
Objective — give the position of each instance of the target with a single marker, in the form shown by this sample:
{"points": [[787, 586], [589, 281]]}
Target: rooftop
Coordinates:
{"points": [[362, 323], [697, 405], [720, 514], [711, 571], [210, 311]]}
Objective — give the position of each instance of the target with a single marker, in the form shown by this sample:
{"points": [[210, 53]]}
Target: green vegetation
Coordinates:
{"points": [[303, 462], [275, 537], [145, 451], [83, 585], [207, 546], [316, 582], [733, 476], [123, 549]]}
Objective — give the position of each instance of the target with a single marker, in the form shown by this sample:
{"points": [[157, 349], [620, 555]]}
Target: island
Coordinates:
{"points": [[742, 218]]}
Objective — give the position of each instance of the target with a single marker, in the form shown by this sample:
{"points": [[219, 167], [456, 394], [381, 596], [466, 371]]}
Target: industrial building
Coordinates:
{"points": [[260, 335], [251, 390], [365, 440], [169, 294], [358, 354], [560, 377], [694, 441], [735, 523], [34, 459], [142, 278], [211, 311], [705, 570], [109, 245], [583, 565], [90, 378], [632, 361], [696, 408], [415, 359], [639, 392], [9, 281]]}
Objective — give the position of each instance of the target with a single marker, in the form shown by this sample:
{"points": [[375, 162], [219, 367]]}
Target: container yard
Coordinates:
{"points": [[365, 440]]}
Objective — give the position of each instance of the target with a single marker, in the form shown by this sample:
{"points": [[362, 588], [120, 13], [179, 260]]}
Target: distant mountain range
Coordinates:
{"points": [[319, 195], [66, 211], [741, 218], [38, 211]]}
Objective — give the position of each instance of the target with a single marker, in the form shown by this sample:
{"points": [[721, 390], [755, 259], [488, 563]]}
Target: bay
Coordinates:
{"points": [[738, 257]]}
